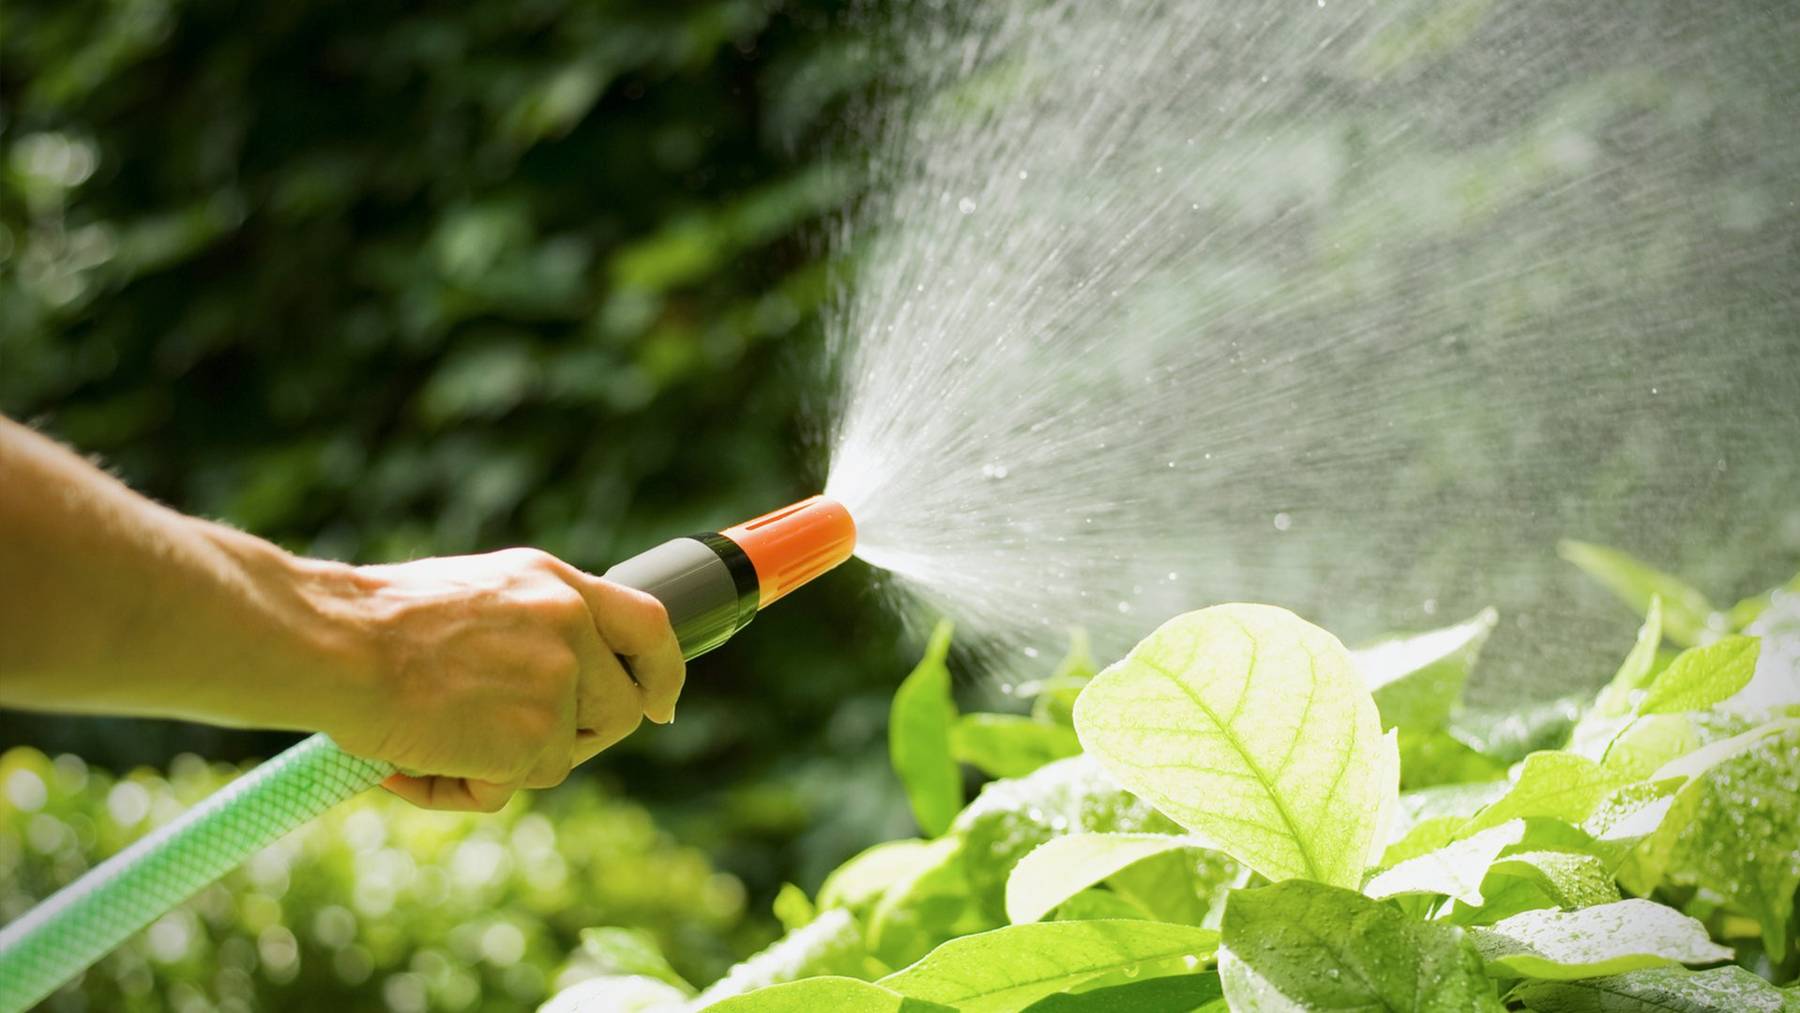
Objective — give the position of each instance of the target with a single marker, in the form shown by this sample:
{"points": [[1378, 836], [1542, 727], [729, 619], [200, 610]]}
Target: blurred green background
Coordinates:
{"points": [[383, 280]]}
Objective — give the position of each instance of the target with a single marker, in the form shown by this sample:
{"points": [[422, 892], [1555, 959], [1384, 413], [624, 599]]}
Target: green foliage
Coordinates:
{"points": [[1585, 873], [1252, 728], [919, 738], [1303, 945], [466, 911]]}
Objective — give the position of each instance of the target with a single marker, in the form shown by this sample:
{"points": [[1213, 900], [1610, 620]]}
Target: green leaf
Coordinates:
{"points": [[1088, 905], [1062, 866], [1455, 870], [930, 904], [1054, 698], [1634, 672], [860, 882], [792, 908], [1249, 726], [1511, 735], [1688, 618], [1011, 817], [1011, 967], [837, 994], [1175, 993], [1007, 745], [1655, 990], [618, 993], [1187, 887], [1569, 879], [919, 738], [1553, 784], [1418, 680], [1736, 830], [1702, 676], [1303, 946], [830, 944], [1609, 939], [1648, 743], [624, 952]]}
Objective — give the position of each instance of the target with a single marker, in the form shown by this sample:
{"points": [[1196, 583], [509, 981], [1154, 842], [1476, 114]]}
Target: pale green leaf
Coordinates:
{"points": [[927, 905], [792, 908], [1552, 784], [1634, 672], [1608, 939], [1741, 834], [830, 944], [1175, 993], [1249, 726], [1087, 905], [1011, 967], [1569, 879], [618, 993], [1702, 676], [1455, 870], [813, 995], [1306, 946], [1656, 990], [1188, 887], [611, 950], [1646, 744], [919, 738], [860, 882], [1512, 734], [1688, 618], [1062, 866], [1418, 680], [1011, 817], [1007, 745]]}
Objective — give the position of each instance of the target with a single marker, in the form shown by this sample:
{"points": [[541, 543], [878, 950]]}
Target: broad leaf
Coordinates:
{"points": [[1249, 726], [860, 882], [1688, 618], [1088, 905], [1569, 879], [837, 994], [929, 903], [1634, 672], [831, 944], [1655, 990], [1455, 870], [1646, 744], [1007, 745], [919, 738], [1702, 676], [1010, 818], [624, 952], [1302, 946], [1510, 735], [1188, 887], [1176, 993], [1552, 784], [1740, 832], [1014, 966], [1609, 939], [618, 993], [1418, 680], [1061, 867]]}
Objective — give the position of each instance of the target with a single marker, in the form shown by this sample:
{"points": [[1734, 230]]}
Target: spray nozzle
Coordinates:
{"points": [[713, 584]]}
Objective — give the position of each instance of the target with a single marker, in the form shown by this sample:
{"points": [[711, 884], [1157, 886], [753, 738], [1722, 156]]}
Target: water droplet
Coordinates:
{"points": [[1172, 575], [966, 205], [1031, 652], [1283, 522], [1024, 174], [1124, 608]]}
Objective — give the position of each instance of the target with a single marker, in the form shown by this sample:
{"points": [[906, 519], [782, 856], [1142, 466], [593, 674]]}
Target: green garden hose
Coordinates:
{"points": [[61, 937], [711, 586]]}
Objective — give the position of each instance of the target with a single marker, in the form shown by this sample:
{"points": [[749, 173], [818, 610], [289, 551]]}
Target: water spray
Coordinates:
{"points": [[712, 585]]}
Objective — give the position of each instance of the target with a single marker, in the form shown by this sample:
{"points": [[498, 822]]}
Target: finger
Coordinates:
{"points": [[455, 794], [636, 626], [613, 711], [606, 689]]}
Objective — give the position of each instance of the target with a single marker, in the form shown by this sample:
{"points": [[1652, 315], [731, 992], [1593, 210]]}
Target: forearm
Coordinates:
{"points": [[110, 603]]}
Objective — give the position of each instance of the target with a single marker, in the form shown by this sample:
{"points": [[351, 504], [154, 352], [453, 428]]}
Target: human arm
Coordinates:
{"points": [[482, 673]]}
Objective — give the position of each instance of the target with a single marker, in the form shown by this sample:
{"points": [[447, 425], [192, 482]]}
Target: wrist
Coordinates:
{"points": [[314, 670]]}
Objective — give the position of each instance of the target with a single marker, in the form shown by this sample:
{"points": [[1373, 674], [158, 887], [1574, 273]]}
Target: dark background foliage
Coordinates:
{"points": [[382, 280]]}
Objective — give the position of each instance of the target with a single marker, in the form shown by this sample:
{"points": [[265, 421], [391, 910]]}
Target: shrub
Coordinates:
{"points": [[375, 906], [1218, 821]]}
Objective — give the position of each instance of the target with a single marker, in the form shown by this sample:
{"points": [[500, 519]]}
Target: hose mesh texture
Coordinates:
{"points": [[79, 924]]}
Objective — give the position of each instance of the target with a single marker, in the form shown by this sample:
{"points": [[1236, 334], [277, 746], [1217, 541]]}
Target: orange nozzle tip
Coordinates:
{"points": [[791, 546]]}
